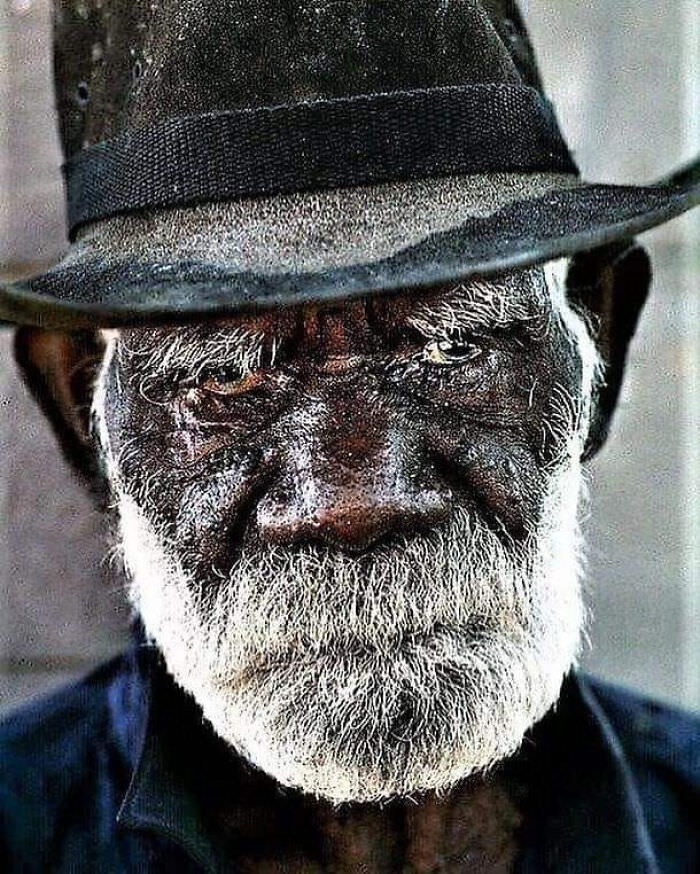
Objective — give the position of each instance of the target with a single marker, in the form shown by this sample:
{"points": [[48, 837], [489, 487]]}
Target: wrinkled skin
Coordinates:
{"points": [[361, 430], [345, 440]]}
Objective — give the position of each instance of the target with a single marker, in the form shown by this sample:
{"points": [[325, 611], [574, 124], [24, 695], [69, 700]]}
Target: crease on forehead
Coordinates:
{"points": [[520, 300]]}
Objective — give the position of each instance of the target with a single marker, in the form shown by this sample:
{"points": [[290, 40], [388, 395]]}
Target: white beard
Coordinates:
{"points": [[363, 679], [406, 670]]}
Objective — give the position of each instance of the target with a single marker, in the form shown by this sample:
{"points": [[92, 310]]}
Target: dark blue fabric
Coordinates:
{"points": [[107, 776]]}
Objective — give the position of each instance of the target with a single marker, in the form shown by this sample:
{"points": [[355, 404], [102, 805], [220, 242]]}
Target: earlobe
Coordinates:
{"points": [[59, 369], [610, 285]]}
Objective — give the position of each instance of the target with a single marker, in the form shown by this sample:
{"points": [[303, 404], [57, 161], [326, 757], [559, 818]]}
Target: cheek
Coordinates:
{"points": [[564, 407], [188, 478], [187, 448], [500, 455], [501, 476], [148, 433]]}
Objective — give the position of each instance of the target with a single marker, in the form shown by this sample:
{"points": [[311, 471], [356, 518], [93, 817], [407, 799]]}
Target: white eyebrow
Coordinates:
{"points": [[482, 305], [194, 349]]}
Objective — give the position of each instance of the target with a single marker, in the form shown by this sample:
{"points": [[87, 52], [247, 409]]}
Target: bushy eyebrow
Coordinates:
{"points": [[483, 307], [472, 308], [192, 350]]}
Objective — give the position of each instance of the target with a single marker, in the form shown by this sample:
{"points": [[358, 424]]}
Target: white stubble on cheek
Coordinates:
{"points": [[156, 587], [555, 273]]}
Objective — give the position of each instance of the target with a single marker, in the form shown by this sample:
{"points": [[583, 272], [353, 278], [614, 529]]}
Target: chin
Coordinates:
{"points": [[371, 726], [456, 647]]}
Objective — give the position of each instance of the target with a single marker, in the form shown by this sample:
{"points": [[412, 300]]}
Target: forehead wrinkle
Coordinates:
{"points": [[519, 301]]}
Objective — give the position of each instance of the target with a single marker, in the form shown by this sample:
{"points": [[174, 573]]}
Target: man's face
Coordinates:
{"points": [[351, 530]]}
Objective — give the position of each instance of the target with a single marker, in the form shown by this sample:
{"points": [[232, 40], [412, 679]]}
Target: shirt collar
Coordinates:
{"points": [[158, 739], [583, 804]]}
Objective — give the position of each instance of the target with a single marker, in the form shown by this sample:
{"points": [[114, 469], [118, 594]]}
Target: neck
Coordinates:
{"points": [[474, 827]]}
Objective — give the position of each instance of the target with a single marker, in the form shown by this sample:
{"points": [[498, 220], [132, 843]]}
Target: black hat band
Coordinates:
{"points": [[317, 145]]}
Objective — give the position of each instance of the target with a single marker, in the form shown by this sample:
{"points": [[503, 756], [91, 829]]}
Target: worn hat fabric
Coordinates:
{"points": [[124, 68]]}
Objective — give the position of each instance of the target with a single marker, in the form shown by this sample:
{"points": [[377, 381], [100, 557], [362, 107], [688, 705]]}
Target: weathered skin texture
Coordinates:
{"points": [[352, 437], [349, 435], [381, 446]]}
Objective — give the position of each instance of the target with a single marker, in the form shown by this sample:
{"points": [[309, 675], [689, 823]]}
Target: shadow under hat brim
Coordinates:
{"points": [[215, 260]]}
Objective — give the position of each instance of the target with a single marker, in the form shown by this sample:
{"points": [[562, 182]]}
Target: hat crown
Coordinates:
{"points": [[124, 64]]}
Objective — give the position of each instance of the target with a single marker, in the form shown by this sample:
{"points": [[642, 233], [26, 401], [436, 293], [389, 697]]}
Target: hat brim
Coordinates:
{"points": [[219, 259]]}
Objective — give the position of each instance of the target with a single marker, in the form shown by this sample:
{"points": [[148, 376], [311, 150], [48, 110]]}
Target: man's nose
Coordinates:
{"points": [[352, 518], [351, 491]]}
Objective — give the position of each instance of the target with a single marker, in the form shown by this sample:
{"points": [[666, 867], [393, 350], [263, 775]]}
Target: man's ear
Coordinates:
{"points": [[609, 286], [59, 369]]}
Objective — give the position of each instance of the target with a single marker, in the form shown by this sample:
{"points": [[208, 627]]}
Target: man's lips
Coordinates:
{"points": [[438, 638]]}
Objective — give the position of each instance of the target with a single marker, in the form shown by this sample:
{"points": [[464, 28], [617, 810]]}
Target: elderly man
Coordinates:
{"points": [[348, 517]]}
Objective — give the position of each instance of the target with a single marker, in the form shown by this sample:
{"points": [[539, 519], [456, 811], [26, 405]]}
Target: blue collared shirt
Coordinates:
{"points": [[110, 775]]}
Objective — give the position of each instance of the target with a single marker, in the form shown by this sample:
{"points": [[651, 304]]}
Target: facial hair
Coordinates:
{"points": [[361, 678]]}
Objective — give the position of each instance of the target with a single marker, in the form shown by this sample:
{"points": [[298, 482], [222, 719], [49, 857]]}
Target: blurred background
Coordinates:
{"points": [[625, 77]]}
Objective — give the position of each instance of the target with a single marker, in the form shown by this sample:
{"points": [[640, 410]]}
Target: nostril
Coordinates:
{"points": [[353, 526], [362, 527]]}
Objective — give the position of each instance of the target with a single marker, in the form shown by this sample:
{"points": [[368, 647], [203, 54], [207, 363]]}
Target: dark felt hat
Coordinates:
{"points": [[223, 155]]}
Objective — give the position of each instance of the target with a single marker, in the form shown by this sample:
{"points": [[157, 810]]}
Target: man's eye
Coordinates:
{"points": [[232, 387], [447, 353]]}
